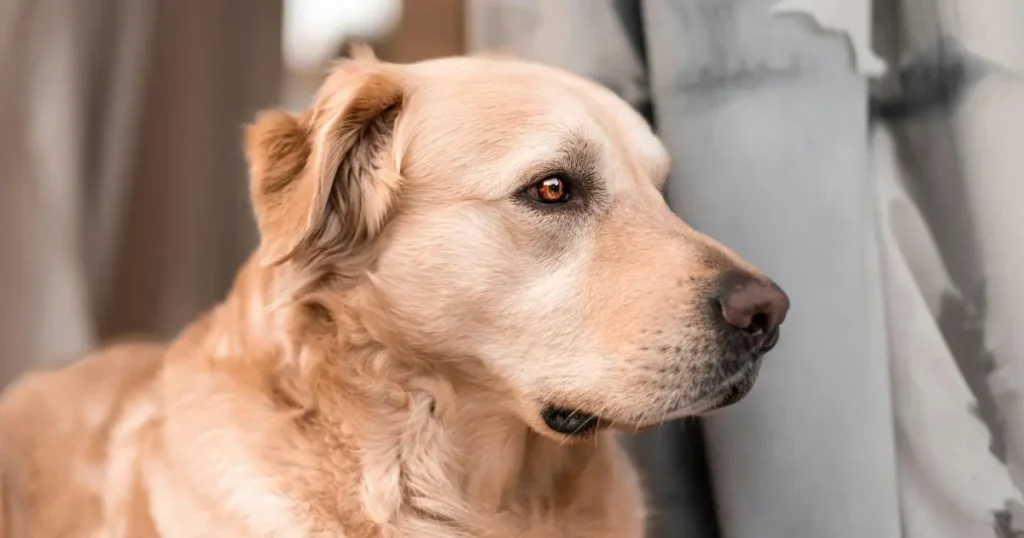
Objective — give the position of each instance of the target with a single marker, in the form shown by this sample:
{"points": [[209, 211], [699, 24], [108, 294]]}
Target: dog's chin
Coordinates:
{"points": [[730, 390], [570, 424], [730, 393]]}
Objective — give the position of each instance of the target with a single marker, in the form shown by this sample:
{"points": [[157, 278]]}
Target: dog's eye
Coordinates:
{"points": [[551, 190]]}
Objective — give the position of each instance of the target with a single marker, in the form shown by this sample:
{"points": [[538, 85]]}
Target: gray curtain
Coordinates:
{"points": [[948, 169]]}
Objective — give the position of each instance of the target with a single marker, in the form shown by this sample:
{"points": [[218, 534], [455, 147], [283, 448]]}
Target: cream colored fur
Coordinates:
{"points": [[381, 363]]}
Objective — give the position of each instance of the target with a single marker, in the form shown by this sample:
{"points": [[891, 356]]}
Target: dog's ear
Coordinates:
{"points": [[323, 183]]}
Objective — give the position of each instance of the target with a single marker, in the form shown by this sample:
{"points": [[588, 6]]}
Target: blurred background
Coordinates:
{"points": [[867, 154]]}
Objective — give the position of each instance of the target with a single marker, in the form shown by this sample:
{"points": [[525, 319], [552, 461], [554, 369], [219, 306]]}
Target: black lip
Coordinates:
{"points": [[569, 422], [729, 394], [733, 394], [769, 342]]}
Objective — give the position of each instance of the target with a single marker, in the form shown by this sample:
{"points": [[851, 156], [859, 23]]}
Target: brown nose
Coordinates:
{"points": [[754, 306]]}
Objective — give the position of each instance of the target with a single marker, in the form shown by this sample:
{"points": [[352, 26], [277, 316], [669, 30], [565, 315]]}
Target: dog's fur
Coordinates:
{"points": [[381, 364]]}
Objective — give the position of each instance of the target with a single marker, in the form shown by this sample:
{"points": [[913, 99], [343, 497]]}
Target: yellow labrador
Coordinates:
{"points": [[467, 277]]}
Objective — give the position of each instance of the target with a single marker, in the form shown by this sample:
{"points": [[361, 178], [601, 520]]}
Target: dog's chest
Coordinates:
{"points": [[420, 465], [583, 522], [500, 493]]}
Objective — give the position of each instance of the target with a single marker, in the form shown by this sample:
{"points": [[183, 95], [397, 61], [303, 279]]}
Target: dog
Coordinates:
{"points": [[467, 281]]}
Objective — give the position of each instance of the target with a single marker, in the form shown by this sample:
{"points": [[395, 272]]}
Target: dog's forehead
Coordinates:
{"points": [[516, 112]]}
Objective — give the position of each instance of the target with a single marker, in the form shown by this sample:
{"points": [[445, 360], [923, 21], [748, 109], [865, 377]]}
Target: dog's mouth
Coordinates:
{"points": [[731, 394], [574, 423], [734, 389], [570, 422]]}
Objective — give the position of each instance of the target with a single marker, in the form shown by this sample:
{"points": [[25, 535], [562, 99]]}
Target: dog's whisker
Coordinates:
{"points": [[594, 417], [641, 421], [586, 423]]}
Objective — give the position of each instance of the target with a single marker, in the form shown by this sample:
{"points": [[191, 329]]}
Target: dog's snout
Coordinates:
{"points": [[756, 307]]}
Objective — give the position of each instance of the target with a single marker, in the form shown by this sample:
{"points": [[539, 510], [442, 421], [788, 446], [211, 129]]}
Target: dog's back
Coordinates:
{"points": [[60, 436]]}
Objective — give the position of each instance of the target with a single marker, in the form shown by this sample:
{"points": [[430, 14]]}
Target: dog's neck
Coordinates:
{"points": [[429, 428]]}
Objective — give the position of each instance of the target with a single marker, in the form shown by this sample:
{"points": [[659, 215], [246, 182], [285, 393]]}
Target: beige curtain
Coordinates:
{"points": [[123, 201]]}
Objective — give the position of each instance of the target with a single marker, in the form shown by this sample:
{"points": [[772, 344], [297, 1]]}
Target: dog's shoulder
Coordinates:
{"points": [[81, 395], [63, 429]]}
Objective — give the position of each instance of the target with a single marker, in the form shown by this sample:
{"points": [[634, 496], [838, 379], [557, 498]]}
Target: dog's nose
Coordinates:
{"points": [[756, 307]]}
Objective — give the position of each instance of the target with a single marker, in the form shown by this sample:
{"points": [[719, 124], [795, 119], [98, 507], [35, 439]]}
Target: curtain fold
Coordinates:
{"points": [[765, 117], [123, 191], [948, 170]]}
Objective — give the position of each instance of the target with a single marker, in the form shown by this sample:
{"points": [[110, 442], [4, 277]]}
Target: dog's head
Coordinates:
{"points": [[510, 214]]}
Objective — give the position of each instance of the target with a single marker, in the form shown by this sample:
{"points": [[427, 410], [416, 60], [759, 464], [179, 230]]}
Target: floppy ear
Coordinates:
{"points": [[323, 183]]}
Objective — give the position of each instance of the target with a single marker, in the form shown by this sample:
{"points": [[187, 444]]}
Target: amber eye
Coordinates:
{"points": [[552, 190]]}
